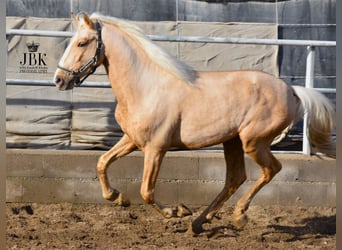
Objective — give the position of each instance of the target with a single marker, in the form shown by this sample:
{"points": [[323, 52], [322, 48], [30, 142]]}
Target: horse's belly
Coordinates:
{"points": [[206, 133]]}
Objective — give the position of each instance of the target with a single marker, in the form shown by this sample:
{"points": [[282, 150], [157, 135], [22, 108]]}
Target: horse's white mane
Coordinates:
{"points": [[154, 52]]}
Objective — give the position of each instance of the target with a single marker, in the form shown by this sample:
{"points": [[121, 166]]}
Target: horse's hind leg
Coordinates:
{"points": [[120, 149], [235, 176], [270, 166]]}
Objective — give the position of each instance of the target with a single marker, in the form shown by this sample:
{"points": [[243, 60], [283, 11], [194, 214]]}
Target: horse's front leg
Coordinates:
{"points": [[120, 149], [152, 162]]}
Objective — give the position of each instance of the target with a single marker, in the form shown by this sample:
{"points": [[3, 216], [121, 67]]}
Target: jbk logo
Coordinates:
{"points": [[33, 61]]}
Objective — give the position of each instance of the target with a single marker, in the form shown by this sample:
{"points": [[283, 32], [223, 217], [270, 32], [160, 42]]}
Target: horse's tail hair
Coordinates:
{"points": [[320, 119]]}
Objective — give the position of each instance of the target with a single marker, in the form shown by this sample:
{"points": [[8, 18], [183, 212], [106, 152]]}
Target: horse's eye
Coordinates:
{"points": [[82, 44]]}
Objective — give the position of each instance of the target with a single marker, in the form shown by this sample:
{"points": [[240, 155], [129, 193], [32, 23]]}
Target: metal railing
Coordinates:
{"points": [[309, 76]]}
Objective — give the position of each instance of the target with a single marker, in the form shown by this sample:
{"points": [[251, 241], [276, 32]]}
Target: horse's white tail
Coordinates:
{"points": [[321, 119]]}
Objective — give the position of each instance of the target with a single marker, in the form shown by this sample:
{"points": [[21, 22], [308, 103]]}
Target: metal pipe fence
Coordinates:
{"points": [[309, 77], [193, 39]]}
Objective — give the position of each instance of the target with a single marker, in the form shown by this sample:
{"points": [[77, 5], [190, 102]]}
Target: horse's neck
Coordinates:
{"points": [[130, 72]]}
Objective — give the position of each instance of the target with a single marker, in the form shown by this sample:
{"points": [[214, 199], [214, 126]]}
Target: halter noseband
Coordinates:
{"points": [[91, 63]]}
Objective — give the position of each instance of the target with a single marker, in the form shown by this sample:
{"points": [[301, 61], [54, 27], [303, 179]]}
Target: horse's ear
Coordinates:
{"points": [[86, 19], [74, 16]]}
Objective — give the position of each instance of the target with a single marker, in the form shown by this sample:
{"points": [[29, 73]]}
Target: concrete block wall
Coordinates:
{"points": [[193, 178]]}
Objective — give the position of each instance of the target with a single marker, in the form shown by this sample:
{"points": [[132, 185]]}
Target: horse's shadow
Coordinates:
{"points": [[320, 226]]}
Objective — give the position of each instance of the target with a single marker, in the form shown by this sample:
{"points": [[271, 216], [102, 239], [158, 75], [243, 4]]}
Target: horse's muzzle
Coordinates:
{"points": [[66, 84]]}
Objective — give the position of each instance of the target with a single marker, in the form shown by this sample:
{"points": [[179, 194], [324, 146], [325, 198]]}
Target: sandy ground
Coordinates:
{"points": [[102, 226]]}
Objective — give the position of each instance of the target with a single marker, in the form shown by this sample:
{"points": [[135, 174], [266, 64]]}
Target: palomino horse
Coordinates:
{"points": [[163, 103]]}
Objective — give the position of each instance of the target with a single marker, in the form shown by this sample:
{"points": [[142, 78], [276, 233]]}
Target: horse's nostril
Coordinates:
{"points": [[58, 81]]}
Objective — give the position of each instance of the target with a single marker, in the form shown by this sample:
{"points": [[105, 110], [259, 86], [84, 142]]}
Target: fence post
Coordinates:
{"points": [[309, 83]]}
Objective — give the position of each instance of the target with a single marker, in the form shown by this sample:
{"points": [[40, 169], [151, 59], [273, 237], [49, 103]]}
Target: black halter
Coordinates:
{"points": [[91, 63]]}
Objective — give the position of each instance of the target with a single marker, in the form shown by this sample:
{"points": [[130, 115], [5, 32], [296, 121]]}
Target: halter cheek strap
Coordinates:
{"points": [[93, 62]]}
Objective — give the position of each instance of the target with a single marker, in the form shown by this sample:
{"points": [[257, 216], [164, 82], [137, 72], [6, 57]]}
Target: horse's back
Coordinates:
{"points": [[242, 91]]}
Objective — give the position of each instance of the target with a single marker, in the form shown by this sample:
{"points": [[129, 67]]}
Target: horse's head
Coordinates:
{"points": [[83, 55]]}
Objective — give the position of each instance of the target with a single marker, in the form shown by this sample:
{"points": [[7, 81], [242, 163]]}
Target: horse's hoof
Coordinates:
{"points": [[180, 211], [183, 210], [122, 201], [195, 229], [240, 220], [167, 213]]}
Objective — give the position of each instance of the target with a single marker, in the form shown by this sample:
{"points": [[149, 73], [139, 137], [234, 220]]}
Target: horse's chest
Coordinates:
{"points": [[121, 116], [136, 125]]}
